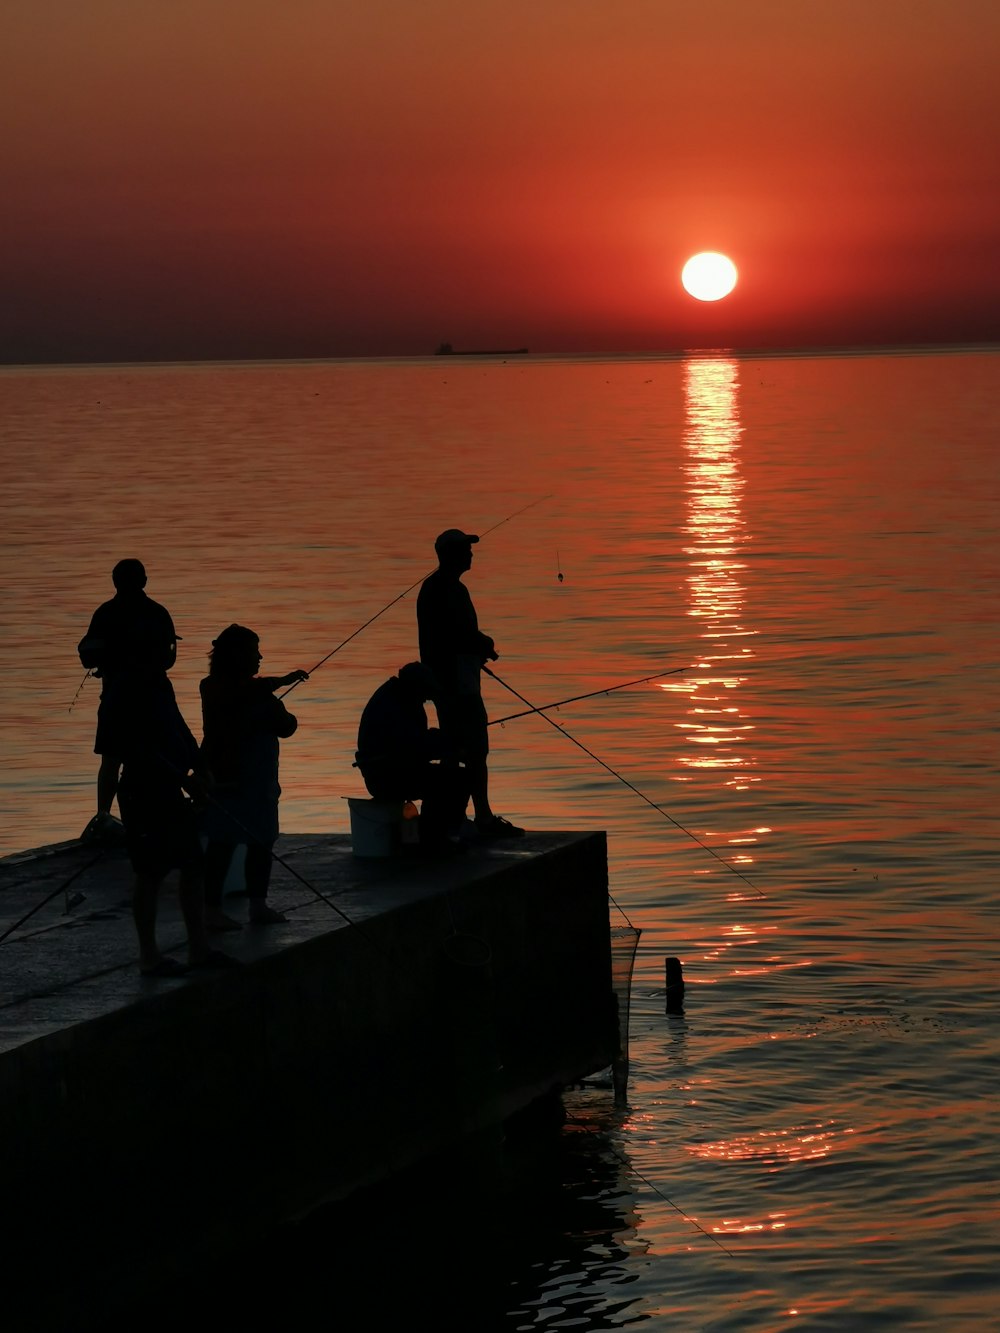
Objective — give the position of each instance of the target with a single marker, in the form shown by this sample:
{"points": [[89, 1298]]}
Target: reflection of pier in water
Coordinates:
{"points": [[716, 536]]}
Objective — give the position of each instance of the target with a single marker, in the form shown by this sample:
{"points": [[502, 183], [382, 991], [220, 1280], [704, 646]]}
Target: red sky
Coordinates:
{"points": [[193, 178]]}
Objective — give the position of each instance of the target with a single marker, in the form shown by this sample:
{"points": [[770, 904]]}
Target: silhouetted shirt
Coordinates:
{"points": [[452, 645], [156, 741], [242, 721], [393, 728], [395, 743], [131, 635]]}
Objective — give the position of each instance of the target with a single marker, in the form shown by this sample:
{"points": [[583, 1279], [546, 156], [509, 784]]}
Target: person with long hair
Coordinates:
{"points": [[243, 723]]}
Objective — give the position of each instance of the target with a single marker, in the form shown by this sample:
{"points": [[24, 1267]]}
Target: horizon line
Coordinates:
{"points": [[672, 354]]}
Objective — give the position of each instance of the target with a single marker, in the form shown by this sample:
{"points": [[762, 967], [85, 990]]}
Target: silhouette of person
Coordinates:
{"points": [[455, 650], [397, 753], [130, 645], [160, 776], [242, 722]]}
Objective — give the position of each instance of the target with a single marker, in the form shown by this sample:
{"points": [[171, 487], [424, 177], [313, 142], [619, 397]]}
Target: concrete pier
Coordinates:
{"points": [[409, 1006]]}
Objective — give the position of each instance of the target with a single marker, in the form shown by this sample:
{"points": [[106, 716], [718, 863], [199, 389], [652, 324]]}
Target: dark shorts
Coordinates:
{"points": [[463, 722], [110, 738], [162, 827], [126, 703]]}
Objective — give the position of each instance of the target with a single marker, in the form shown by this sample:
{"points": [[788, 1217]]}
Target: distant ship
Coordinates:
{"points": [[446, 349]]}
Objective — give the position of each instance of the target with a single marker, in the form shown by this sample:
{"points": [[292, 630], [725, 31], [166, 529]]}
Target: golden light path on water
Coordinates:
{"points": [[716, 533], [720, 752]]}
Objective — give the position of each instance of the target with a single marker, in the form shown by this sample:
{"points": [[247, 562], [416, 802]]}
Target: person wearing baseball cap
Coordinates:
{"points": [[455, 650]]}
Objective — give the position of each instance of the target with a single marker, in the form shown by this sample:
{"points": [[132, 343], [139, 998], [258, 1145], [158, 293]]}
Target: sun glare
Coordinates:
{"points": [[709, 276]]}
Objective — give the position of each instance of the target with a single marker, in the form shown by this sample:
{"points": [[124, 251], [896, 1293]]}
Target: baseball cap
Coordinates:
{"points": [[454, 537]]}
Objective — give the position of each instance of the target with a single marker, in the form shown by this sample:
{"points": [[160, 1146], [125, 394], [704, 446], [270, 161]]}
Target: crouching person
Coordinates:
{"points": [[402, 758]]}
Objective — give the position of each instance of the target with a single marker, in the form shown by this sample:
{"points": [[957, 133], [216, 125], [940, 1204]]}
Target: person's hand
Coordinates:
{"points": [[295, 677], [199, 786]]}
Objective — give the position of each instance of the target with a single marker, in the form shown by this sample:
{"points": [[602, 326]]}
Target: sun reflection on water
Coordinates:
{"points": [[776, 1148], [716, 533], [714, 724]]}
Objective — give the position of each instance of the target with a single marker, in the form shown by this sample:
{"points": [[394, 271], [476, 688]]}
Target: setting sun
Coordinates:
{"points": [[709, 276]]}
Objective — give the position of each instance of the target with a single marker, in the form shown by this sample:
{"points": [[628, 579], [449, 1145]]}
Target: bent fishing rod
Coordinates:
{"points": [[544, 708], [614, 773], [371, 619]]}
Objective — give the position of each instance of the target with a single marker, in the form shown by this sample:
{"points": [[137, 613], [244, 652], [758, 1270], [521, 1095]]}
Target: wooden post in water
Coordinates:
{"points": [[674, 980]]}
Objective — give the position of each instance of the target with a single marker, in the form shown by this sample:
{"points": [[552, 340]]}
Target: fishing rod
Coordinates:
{"points": [[631, 787], [75, 901], [544, 708], [371, 620], [86, 676], [209, 798]]}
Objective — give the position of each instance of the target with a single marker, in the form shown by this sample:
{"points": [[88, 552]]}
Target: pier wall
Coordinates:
{"points": [[168, 1131]]}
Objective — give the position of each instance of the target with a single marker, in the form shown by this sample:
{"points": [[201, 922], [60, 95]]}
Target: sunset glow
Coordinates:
{"points": [[359, 180]]}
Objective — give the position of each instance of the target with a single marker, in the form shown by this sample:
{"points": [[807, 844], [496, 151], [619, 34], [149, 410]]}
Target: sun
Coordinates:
{"points": [[709, 276]]}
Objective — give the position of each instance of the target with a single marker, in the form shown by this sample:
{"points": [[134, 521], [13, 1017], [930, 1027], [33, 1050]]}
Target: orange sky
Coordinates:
{"points": [[192, 178]]}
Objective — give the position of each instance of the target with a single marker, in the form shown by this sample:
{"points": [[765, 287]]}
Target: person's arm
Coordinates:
{"points": [[286, 723], [273, 683], [93, 646], [91, 651], [487, 648], [170, 645]]}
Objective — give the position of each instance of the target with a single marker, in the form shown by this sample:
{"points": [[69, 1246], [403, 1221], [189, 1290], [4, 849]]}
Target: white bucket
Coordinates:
{"points": [[376, 826]]}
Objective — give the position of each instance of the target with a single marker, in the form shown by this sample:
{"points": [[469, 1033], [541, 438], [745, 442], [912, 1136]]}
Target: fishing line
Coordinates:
{"points": [[257, 842], [371, 620], [543, 708], [55, 894], [631, 1167], [631, 787], [465, 949], [477, 957]]}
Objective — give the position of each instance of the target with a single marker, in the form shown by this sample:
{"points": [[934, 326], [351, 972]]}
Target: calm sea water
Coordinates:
{"points": [[813, 1142]]}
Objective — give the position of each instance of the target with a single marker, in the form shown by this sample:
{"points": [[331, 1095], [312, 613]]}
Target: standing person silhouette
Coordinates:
{"points": [[160, 793], [455, 650], [242, 723], [130, 646]]}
